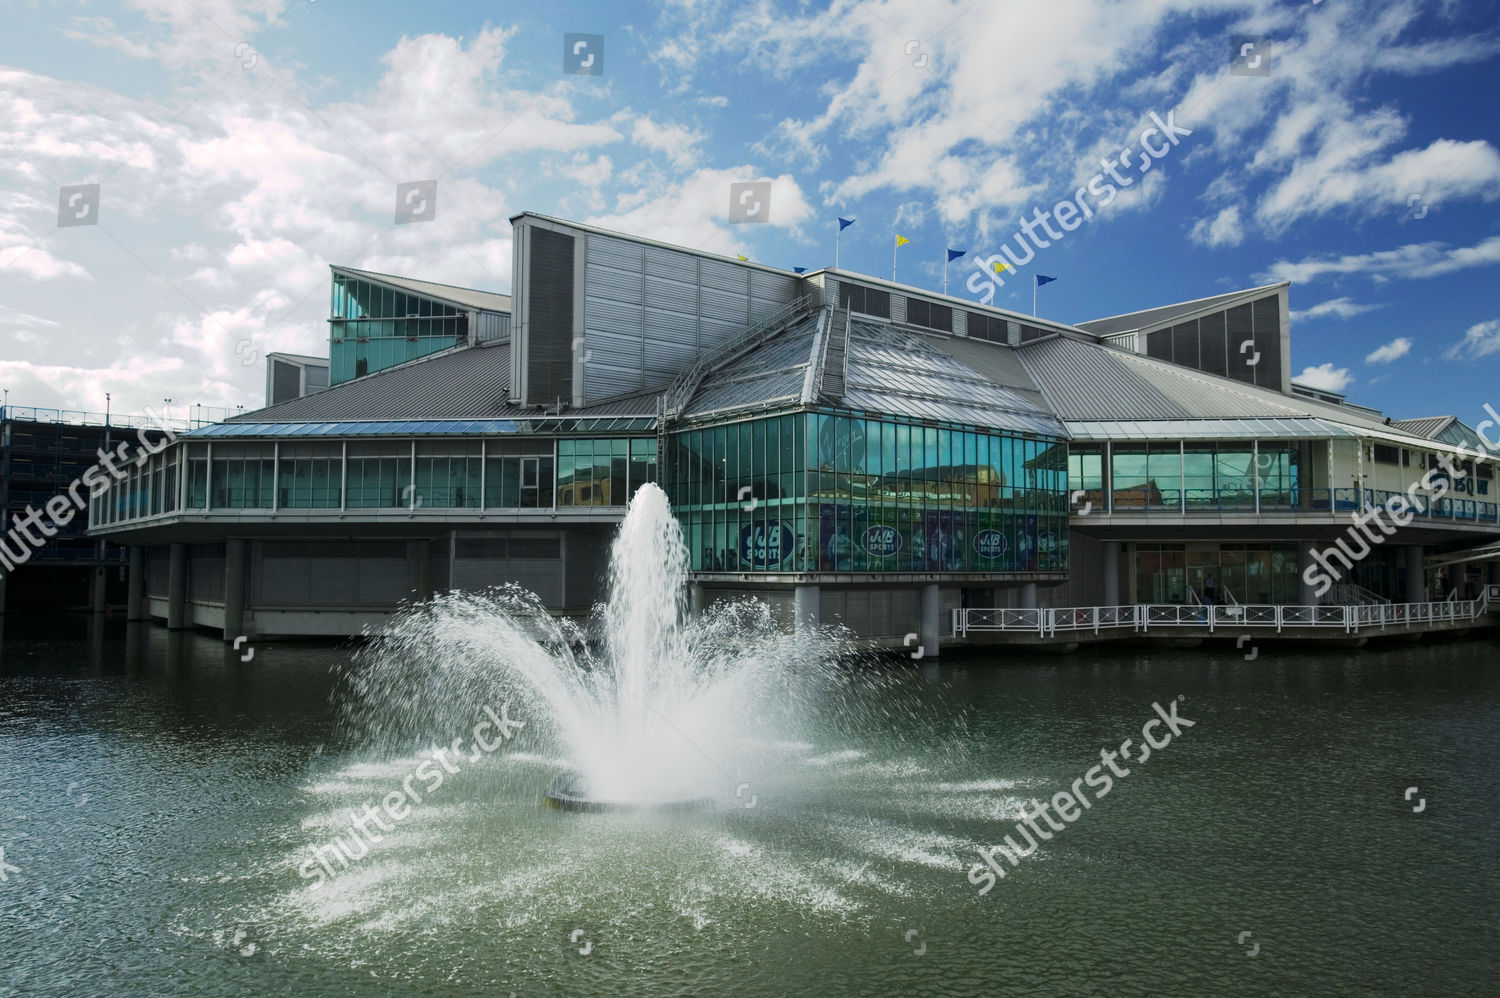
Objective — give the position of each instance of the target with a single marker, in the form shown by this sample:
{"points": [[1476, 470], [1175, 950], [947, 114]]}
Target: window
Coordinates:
{"points": [[602, 472], [929, 314], [869, 301], [1029, 333], [987, 327], [379, 475], [1386, 454]]}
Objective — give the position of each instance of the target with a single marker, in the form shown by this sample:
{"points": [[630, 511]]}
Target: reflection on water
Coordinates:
{"points": [[159, 794]]}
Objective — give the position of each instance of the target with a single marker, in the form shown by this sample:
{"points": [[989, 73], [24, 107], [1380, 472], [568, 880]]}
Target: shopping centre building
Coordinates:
{"points": [[844, 448]]}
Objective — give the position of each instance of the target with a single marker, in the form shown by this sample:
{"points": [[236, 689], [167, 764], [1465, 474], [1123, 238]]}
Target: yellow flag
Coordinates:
{"points": [[901, 240], [742, 259], [1000, 266]]}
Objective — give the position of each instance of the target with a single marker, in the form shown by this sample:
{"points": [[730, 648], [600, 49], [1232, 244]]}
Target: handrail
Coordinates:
{"points": [[1350, 618]]}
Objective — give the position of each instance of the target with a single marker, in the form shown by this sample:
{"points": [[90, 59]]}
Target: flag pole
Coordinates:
{"points": [[945, 271], [1033, 295], [895, 245], [837, 228]]}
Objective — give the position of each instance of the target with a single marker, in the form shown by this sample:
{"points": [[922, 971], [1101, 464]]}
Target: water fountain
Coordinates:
{"points": [[650, 707]]}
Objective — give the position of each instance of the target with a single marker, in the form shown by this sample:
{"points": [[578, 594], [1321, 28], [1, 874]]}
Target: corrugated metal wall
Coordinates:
{"points": [[1085, 585], [205, 565], [331, 573], [873, 613], [780, 602], [158, 571], [493, 326], [531, 558], [549, 317], [649, 311], [586, 553]]}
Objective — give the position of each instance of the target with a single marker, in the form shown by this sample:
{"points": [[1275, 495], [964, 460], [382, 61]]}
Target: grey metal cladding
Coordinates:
{"points": [[549, 310], [671, 265], [724, 275], [619, 253], [613, 284]]}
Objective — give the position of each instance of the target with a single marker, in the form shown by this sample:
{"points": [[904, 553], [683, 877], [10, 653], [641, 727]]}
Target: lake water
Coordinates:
{"points": [[160, 801]]}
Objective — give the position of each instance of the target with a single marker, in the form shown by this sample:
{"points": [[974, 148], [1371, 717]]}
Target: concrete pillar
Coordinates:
{"points": [[1306, 593], [1111, 573], [177, 588], [931, 625], [234, 588], [135, 593], [97, 597], [805, 601], [424, 570], [1028, 596], [1416, 575], [697, 600]]}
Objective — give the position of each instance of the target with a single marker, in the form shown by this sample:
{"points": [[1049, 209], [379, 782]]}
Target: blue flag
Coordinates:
{"points": [[954, 254], [799, 270], [1040, 280], [844, 223]]}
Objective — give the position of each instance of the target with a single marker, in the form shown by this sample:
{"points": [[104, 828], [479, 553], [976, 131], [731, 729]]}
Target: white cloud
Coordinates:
{"points": [[1224, 229], [1339, 308], [1481, 340], [1414, 260], [1395, 349], [1326, 377]]}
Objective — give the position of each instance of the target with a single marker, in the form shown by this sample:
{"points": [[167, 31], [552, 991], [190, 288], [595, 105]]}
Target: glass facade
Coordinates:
{"points": [[1245, 573], [603, 472], [1203, 476], [534, 473], [830, 492], [373, 326]]}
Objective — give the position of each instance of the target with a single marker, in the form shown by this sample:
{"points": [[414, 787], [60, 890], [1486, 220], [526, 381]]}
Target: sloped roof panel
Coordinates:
{"points": [[484, 301], [1162, 315]]}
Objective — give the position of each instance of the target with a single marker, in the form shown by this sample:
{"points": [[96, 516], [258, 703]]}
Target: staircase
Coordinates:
{"points": [[835, 359], [1353, 594]]}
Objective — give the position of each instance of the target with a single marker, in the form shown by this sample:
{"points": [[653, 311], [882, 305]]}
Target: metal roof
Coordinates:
{"points": [[1164, 314], [484, 301], [1084, 381], [774, 373], [471, 383], [301, 358], [570, 423], [1425, 426], [1207, 429], [897, 371]]}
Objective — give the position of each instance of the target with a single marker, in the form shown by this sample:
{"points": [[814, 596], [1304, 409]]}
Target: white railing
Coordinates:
{"points": [[1145, 616]]}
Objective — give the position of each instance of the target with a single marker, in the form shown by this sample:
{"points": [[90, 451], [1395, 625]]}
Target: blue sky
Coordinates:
{"points": [[241, 147]]}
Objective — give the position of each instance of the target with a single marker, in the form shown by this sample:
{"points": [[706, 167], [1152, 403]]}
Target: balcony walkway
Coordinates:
{"points": [[1342, 623]]}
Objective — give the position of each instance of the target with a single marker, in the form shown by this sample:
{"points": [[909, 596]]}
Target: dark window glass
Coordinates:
{"points": [[1268, 341], [1185, 344], [1212, 351], [987, 327], [1240, 332], [870, 301], [1159, 344], [1029, 333]]}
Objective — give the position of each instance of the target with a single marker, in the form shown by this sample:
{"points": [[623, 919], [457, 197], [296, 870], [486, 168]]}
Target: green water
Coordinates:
{"points": [[158, 797]]}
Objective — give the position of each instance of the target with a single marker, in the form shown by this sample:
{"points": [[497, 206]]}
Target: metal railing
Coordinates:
{"points": [[1143, 617], [79, 417], [1148, 499]]}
